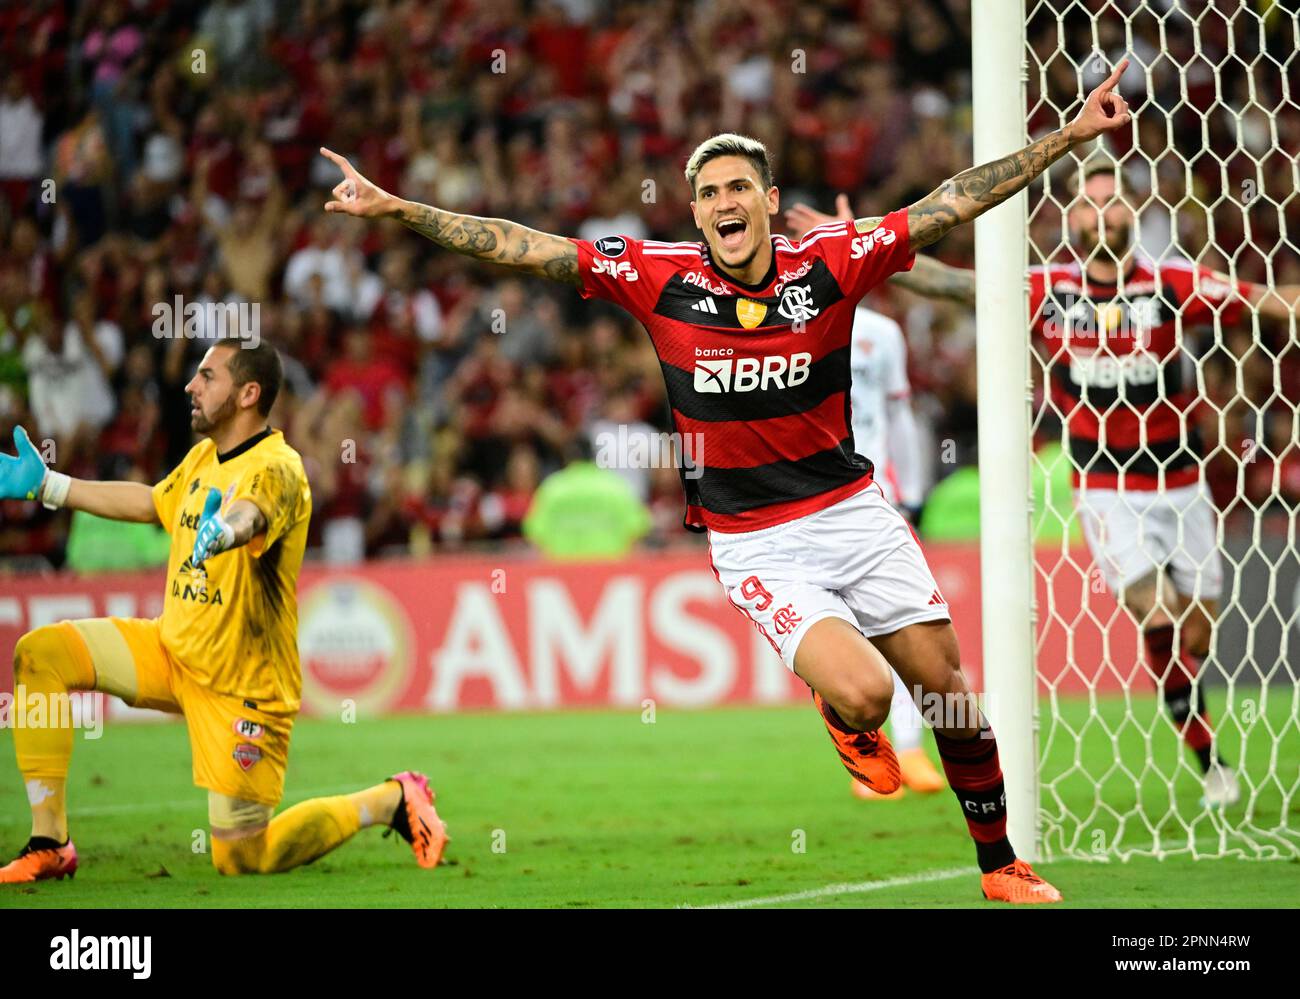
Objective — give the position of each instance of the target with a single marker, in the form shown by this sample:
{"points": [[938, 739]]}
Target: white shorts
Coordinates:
{"points": [[1133, 533], [857, 560]]}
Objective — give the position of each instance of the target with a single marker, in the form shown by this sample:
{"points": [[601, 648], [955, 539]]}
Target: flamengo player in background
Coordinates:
{"points": [[1109, 332], [224, 653], [884, 428], [752, 333]]}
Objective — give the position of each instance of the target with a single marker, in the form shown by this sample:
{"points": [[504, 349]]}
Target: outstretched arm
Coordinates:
{"points": [[972, 192], [496, 241], [932, 278], [1282, 302], [24, 476], [928, 277], [131, 501]]}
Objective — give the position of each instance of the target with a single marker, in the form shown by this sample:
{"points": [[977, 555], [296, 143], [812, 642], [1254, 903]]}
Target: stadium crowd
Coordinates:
{"points": [[155, 149]]}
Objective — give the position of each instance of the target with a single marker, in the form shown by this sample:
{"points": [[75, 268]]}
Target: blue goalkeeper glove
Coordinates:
{"points": [[21, 477], [214, 534]]}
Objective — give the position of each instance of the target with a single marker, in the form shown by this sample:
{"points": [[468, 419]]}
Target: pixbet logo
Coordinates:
{"points": [[745, 374]]}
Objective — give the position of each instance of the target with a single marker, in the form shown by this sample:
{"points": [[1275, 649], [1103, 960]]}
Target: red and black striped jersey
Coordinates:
{"points": [[1117, 373], [758, 375]]}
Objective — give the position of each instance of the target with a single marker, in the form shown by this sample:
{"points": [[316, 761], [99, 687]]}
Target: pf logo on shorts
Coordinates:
{"points": [[246, 754], [248, 729]]}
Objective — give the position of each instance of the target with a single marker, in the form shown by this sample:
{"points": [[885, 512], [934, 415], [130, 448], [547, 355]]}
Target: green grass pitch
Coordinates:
{"points": [[597, 809]]}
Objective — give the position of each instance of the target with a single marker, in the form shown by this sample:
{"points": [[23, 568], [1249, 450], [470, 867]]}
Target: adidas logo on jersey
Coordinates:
{"points": [[745, 374], [706, 305]]}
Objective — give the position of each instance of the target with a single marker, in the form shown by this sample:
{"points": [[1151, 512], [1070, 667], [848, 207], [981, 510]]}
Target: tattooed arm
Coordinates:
{"points": [[932, 278], [972, 192], [247, 520], [496, 241]]}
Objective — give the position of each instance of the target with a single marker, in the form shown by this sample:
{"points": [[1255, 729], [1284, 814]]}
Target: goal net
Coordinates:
{"points": [[1175, 408]]}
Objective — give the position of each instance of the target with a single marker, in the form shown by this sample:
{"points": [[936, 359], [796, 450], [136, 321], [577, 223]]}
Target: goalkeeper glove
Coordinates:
{"points": [[214, 534], [25, 477]]}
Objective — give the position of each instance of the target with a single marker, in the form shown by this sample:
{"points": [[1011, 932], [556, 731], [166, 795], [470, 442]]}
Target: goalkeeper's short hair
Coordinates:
{"points": [[257, 363]]}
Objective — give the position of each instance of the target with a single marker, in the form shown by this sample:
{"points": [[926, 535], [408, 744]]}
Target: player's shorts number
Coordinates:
{"points": [[753, 589]]}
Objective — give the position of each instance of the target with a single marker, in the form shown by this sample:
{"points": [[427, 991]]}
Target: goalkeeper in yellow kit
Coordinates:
{"points": [[224, 653]]}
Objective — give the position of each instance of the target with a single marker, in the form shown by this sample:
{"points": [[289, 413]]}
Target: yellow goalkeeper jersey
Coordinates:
{"points": [[234, 626]]}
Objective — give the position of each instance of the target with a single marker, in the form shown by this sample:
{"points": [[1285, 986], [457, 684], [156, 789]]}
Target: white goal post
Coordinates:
{"points": [[1006, 553]]}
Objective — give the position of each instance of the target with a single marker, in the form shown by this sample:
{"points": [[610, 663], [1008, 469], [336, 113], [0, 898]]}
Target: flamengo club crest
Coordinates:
{"points": [[750, 313], [797, 303]]}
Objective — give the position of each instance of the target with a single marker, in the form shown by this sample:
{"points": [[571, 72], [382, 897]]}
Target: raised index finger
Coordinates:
{"points": [[337, 160], [1116, 73]]}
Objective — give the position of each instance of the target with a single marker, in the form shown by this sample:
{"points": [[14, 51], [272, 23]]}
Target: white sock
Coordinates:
{"points": [[904, 720]]}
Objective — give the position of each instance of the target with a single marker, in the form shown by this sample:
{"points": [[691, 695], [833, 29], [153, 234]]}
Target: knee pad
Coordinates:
{"points": [[53, 657]]}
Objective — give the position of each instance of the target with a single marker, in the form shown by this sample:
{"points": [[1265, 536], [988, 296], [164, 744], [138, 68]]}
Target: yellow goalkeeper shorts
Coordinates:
{"points": [[237, 749]]}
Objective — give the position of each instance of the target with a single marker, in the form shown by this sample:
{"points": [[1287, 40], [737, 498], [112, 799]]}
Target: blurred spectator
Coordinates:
{"points": [[67, 377], [585, 512], [21, 124]]}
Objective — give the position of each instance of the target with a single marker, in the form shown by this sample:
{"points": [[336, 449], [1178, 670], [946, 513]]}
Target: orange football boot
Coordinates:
{"points": [[919, 774], [866, 794], [423, 829], [868, 756], [38, 865], [1018, 884]]}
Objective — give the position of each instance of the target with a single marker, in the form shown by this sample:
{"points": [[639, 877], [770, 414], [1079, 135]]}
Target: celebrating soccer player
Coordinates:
{"points": [[752, 332], [224, 653]]}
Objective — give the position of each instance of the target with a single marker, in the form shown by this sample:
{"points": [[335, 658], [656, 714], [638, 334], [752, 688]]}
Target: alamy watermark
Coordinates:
{"points": [[62, 709], [1072, 318], [624, 449], [240, 321]]}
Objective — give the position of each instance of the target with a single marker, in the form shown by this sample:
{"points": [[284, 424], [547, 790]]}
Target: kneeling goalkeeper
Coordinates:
{"points": [[224, 653]]}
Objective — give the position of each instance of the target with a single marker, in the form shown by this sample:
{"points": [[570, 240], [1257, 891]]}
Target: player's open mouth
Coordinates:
{"points": [[732, 232]]}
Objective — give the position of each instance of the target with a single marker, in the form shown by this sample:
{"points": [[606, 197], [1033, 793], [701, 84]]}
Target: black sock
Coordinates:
{"points": [[42, 843], [399, 821], [994, 856], [1203, 754]]}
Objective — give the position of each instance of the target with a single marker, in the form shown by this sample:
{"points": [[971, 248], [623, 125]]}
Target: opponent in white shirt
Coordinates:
{"points": [[884, 430]]}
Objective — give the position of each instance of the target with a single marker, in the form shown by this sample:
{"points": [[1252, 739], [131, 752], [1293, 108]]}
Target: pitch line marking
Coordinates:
{"points": [[829, 891]]}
